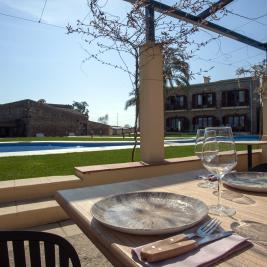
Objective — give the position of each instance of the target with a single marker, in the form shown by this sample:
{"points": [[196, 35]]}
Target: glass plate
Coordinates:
{"points": [[249, 181]]}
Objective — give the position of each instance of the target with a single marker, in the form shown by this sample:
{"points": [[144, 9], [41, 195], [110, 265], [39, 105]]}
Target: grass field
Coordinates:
{"points": [[63, 164]]}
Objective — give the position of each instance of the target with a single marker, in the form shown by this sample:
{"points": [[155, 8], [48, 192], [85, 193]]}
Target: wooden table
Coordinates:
{"points": [[117, 246], [249, 148]]}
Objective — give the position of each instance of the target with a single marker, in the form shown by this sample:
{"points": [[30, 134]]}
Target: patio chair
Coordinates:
{"points": [[260, 168], [50, 241]]}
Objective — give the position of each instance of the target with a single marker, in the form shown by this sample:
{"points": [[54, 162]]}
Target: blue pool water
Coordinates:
{"points": [[37, 146], [236, 138], [247, 138]]}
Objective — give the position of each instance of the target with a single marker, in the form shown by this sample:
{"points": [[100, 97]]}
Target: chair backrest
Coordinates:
{"points": [[66, 251], [260, 168]]}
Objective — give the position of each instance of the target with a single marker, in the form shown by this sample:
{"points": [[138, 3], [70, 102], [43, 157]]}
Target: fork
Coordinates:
{"points": [[205, 229]]}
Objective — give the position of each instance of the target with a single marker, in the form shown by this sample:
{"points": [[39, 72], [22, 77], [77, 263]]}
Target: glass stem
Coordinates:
{"points": [[219, 190]]}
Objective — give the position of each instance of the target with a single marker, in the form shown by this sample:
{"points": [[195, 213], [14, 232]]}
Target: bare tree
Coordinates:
{"points": [[124, 36]]}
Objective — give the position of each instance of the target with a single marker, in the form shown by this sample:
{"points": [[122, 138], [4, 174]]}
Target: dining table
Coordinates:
{"points": [[117, 246], [249, 145]]}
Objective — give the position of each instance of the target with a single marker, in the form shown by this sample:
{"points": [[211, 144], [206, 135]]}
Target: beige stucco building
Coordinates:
{"points": [[231, 102]]}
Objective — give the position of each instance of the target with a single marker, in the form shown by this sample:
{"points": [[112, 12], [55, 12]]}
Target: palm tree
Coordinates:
{"points": [[176, 72]]}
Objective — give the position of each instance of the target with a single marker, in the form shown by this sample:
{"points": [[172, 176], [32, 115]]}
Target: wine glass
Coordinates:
{"points": [[198, 152], [219, 157]]}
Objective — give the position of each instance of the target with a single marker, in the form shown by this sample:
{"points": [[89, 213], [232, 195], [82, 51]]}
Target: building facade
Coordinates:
{"points": [[97, 128], [30, 118], [231, 102]]}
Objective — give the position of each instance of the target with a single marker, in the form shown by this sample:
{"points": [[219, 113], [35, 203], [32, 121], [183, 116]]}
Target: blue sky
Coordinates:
{"points": [[41, 61]]}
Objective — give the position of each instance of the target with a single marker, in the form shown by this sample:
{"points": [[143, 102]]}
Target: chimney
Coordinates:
{"points": [[206, 79]]}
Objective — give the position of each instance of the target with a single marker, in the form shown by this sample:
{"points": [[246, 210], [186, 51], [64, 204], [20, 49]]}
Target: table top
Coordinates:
{"points": [[116, 246], [259, 142]]}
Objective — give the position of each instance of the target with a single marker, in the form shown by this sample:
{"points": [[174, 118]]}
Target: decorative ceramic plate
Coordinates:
{"points": [[149, 213], [249, 181]]}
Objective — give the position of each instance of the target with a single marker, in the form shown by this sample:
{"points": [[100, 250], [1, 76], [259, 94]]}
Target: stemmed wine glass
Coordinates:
{"points": [[219, 157], [198, 152]]}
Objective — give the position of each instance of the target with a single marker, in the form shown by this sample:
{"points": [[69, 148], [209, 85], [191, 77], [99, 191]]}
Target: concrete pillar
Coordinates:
{"points": [[264, 121], [151, 104]]}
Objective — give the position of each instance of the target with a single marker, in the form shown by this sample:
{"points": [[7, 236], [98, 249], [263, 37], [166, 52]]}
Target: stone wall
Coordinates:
{"points": [[34, 118], [96, 128], [53, 121]]}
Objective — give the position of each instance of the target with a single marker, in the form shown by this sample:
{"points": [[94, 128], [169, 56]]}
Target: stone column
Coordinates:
{"points": [[151, 104]]}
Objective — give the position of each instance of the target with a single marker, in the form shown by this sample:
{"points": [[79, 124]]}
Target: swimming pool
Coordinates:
{"points": [[6, 147], [39, 146], [236, 138]]}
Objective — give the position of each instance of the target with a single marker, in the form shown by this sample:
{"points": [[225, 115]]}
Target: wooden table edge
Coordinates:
{"points": [[105, 250]]}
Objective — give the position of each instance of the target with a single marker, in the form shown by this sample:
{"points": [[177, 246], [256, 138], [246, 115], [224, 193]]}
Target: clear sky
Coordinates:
{"points": [[41, 61]]}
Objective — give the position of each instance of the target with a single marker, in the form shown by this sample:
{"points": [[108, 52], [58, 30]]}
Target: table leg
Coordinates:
{"points": [[249, 157]]}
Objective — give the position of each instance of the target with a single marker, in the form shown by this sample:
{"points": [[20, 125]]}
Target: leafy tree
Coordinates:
{"points": [[81, 107], [42, 101], [103, 119]]}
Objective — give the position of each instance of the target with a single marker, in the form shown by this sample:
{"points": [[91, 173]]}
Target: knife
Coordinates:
{"points": [[176, 249]]}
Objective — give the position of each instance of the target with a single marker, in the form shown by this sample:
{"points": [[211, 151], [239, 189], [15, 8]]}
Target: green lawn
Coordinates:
{"points": [[63, 164]]}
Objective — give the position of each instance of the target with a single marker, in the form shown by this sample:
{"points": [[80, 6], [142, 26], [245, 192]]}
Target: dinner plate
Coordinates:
{"points": [[149, 213], [249, 181]]}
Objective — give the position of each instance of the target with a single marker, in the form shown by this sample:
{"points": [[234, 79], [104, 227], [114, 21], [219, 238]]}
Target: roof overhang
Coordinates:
{"points": [[201, 22]]}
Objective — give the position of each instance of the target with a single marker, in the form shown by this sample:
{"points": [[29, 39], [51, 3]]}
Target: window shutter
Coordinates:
{"points": [[223, 99], [186, 124], [214, 99], [224, 120], [246, 97], [185, 102], [193, 101]]}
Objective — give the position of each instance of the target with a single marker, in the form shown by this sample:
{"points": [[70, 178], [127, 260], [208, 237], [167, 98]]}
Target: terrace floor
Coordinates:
{"points": [[89, 255]]}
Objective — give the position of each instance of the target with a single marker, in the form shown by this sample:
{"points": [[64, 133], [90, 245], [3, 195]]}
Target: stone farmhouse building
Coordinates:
{"points": [[231, 102], [31, 118], [97, 128]]}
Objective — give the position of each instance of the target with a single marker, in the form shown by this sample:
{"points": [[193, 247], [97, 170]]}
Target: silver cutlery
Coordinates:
{"points": [[205, 229], [179, 248]]}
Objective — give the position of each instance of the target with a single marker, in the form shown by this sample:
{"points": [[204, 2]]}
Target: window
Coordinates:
{"points": [[176, 102], [199, 100], [241, 96], [204, 100], [180, 100], [209, 99], [177, 124], [204, 121], [235, 98], [237, 122]]}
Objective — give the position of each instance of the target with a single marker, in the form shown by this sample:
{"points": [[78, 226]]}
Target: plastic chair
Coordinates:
{"points": [[260, 168], [66, 251]]}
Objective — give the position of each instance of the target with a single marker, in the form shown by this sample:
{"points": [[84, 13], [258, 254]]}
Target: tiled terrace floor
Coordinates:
{"points": [[89, 255]]}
